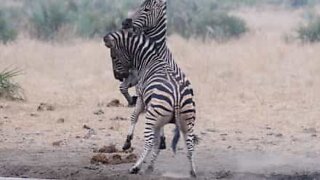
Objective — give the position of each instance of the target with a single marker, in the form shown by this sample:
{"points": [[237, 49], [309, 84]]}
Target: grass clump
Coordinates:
{"points": [[310, 32], [9, 89]]}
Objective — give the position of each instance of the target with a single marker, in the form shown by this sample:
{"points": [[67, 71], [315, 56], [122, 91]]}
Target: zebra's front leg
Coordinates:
{"points": [[124, 86], [134, 118]]}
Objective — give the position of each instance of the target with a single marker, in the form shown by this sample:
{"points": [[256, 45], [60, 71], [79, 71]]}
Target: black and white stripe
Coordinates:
{"points": [[164, 97]]}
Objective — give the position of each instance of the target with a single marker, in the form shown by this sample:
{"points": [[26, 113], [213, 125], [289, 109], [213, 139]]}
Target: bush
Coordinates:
{"points": [[47, 18], [7, 33], [203, 19], [9, 89], [310, 32]]}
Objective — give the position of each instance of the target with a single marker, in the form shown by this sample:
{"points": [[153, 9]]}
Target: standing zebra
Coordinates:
{"points": [[151, 20], [165, 98]]}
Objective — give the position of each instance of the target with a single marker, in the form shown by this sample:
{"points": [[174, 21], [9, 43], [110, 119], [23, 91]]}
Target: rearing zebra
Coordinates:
{"points": [[165, 98], [151, 20]]}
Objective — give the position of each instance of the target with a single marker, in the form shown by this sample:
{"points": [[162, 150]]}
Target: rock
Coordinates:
{"points": [[279, 135], [45, 107], [60, 120], [98, 112], [86, 127], [115, 103], [57, 143], [118, 118], [34, 115]]}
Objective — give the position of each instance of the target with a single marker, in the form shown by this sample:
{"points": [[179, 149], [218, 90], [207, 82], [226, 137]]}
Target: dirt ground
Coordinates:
{"points": [[258, 105]]}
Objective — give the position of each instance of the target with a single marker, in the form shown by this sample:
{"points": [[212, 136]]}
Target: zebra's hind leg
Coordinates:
{"points": [[190, 146], [156, 150], [162, 139], [134, 118], [148, 143]]}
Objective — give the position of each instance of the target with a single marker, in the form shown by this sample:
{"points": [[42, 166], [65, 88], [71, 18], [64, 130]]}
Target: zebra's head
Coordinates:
{"points": [[121, 62], [129, 50], [149, 15], [119, 71]]}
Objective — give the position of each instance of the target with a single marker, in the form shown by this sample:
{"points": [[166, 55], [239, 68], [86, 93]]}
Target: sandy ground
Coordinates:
{"points": [[258, 106]]}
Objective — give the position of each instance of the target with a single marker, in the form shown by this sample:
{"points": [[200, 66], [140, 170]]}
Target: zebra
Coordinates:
{"points": [[164, 98], [151, 20]]}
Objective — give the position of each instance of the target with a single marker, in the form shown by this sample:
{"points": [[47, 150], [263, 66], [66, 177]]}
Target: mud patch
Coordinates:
{"points": [[113, 159], [113, 156]]}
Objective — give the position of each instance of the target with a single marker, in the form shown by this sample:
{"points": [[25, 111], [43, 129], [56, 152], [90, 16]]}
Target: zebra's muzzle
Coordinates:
{"points": [[108, 41], [120, 76]]}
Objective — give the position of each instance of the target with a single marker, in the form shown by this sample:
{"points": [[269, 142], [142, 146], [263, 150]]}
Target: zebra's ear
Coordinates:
{"points": [[160, 2]]}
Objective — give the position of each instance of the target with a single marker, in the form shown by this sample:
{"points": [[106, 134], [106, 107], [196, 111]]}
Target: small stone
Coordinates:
{"points": [[98, 112], [60, 120], [115, 103], [279, 135], [45, 107], [34, 115], [57, 143], [86, 127], [118, 118]]}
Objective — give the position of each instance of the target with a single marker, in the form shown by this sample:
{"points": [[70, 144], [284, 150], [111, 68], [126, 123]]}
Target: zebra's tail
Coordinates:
{"points": [[176, 136], [175, 139]]}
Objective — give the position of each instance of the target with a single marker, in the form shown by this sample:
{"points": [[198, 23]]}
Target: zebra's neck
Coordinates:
{"points": [[158, 34]]}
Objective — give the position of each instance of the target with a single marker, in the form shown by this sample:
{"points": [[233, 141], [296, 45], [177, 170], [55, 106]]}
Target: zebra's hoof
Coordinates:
{"points": [[163, 143], [193, 174], [134, 170], [126, 145]]}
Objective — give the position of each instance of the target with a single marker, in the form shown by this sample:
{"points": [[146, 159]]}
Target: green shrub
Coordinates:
{"points": [[47, 18], [9, 89], [203, 19], [310, 32], [7, 33]]}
